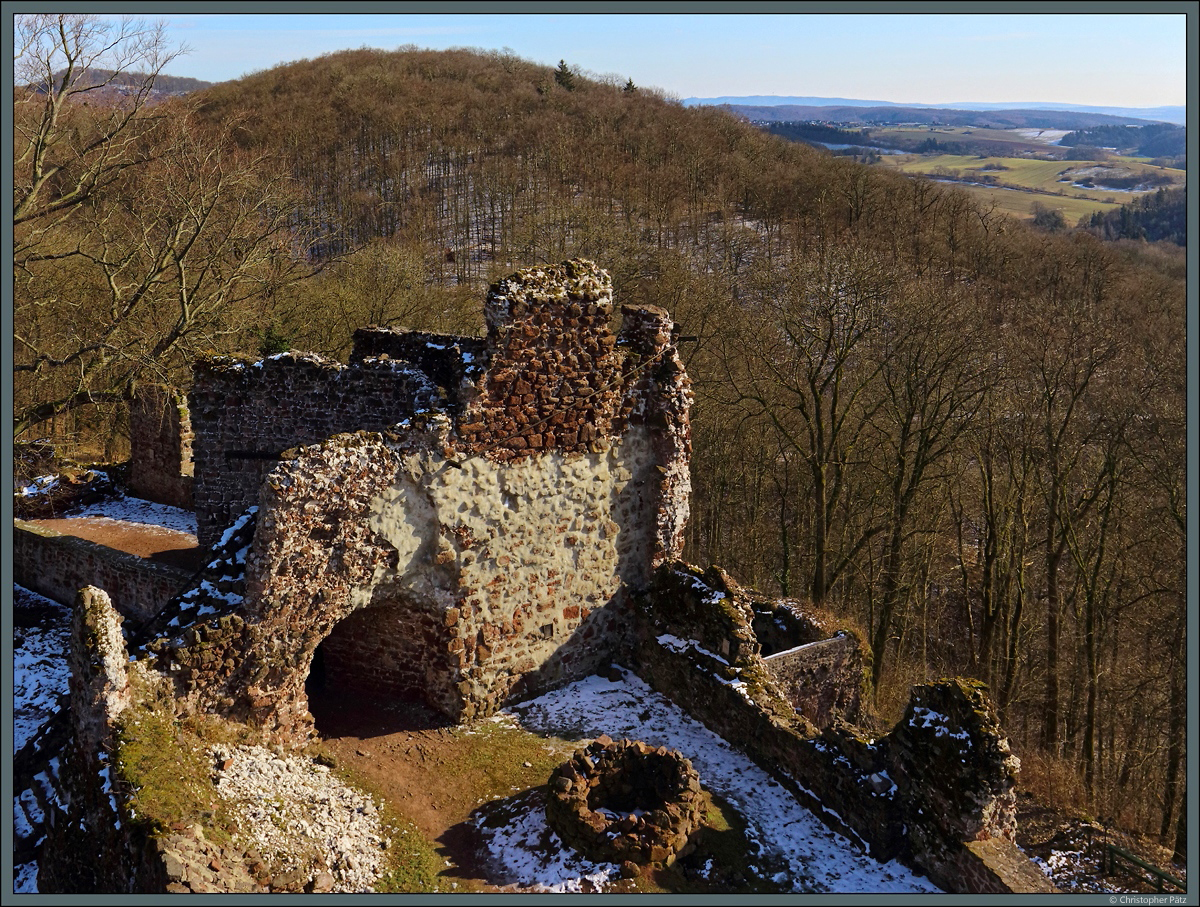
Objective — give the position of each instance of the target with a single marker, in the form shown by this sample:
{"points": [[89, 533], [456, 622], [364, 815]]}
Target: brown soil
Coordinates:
{"points": [[164, 546], [402, 753], [412, 757]]}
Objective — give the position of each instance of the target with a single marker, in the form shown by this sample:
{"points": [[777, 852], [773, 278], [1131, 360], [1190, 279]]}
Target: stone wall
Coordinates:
{"points": [[95, 841], [160, 438], [245, 414], [928, 793], [58, 566], [452, 363], [822, 679], [481, 547], [554, 377], [90, 844]]}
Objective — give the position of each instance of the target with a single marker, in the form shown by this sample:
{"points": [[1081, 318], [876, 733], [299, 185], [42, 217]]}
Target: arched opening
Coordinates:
{"points": [[382, 668]]}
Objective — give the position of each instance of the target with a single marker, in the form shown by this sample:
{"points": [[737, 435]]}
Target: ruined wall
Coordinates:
{"points": [[818, 660], [90, 818], [492, 535], [496, 578], [822, 679], [160, 437], [95, 840], [245, 414], [931, 792], [58, 566], [452, 363], [554, 378]]}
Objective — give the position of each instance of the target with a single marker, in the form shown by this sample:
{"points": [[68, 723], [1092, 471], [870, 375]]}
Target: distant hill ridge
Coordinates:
{"points": [[162, 81], [835, 108]]}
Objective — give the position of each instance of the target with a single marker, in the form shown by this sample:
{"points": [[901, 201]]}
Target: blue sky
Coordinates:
{"points": [[1102, 59]]}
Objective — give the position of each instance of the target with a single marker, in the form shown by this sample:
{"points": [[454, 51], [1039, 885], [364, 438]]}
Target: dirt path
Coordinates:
{"points": [[407, 755]]}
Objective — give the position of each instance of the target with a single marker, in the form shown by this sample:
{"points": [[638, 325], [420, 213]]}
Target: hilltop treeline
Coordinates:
{"points": [[964, 434], [820, 133], [1154, 217], [1154, 140]]}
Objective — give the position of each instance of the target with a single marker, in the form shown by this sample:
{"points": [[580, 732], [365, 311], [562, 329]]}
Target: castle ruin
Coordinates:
{"points": [[470, 521]]}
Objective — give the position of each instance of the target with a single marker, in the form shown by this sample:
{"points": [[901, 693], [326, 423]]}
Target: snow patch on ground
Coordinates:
{"points": [[41, 636], [135, 510]]}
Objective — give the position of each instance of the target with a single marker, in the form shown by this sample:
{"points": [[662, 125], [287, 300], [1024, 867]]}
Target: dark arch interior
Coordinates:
{"points": [[380, 669]]}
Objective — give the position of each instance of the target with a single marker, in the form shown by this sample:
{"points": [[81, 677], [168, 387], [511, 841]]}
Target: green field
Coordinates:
{"points": [[1023, 181]]}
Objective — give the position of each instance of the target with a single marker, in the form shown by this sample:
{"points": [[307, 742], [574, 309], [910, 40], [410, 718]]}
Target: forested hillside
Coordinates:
{"points": [[964, 434]]}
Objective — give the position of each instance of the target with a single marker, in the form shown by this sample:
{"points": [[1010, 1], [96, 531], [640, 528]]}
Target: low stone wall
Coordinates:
{"points": [[996, 866], [58, 566], [821, 679]]}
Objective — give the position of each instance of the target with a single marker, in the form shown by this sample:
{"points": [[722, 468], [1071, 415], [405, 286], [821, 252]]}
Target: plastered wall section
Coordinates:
{"points": [[58, 566], [529, 558]]}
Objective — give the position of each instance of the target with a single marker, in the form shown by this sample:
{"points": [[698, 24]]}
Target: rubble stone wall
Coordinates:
{"points": [[928, 792], [160, 436], [554, 379], [95, 840], [245, 414], [451, 362], [490, 528], [496, 578], [91, 818], [822, 679], [58, 566]]}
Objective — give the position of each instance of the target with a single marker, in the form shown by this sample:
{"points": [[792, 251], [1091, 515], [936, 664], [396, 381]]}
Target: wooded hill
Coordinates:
{"points": [[962, 433]]}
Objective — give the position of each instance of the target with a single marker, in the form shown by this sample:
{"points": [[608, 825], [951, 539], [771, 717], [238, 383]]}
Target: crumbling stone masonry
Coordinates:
{"points": [[626, 801], [475, 535], [95, 841], [471, 520], [160, 438], [246, 413], [937, 792]]}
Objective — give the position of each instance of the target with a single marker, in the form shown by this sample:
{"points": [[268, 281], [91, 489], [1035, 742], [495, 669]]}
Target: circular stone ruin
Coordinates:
{"points": [[626, 802]]}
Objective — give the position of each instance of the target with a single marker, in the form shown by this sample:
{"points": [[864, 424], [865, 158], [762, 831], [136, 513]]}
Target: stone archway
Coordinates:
{"points": [[383, 657]]}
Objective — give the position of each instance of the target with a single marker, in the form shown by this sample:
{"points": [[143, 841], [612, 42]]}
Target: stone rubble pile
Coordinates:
{"points": [[313, 832]]}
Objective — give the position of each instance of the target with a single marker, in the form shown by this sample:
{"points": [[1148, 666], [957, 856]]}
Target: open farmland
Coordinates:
{"points": [[1013, 184], [978, 138]]}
